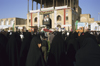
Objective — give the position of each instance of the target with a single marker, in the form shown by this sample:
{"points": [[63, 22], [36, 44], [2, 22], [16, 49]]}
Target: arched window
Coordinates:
{"points": [[35, 20], [59, 25], [7, 22], [11, 22], [58, 18], [1, 22]]}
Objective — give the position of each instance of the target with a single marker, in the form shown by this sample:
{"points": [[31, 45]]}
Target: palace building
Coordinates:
{"points": [[53, 13]]}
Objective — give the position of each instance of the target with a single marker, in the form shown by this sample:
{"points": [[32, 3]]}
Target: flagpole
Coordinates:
{"points": [[98, 17]]}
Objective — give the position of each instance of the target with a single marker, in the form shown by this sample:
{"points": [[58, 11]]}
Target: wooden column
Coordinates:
{"points": [[54, 4], [45, 4], [28, 6], [36, 6], [70, 3], [41, 5], [64, 2], [32, 4], [67, 2]]}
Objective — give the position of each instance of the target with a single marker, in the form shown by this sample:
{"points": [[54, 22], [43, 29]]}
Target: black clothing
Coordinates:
{"points": [[13, 49], [3, 57], [89, 53], [25, 48], [45, 43], [56, 51], [98, 38], [35, 57], [72, 47]]}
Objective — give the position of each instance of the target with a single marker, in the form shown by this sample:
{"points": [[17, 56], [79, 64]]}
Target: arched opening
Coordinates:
{"points": [[35, 20], [59, 25], [58, 18], [11, 22], [7, 22], [2, 22]]}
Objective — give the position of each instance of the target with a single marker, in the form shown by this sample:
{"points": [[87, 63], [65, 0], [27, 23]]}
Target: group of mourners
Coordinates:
{"points": [[65, 50]]}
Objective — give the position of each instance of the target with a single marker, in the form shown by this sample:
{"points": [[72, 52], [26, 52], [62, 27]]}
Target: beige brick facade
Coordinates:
{"points": [[9, 23]]}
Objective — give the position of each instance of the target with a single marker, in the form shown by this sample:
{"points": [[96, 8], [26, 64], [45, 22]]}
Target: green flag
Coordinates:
{"points": [[13, 26], [76, 23]]}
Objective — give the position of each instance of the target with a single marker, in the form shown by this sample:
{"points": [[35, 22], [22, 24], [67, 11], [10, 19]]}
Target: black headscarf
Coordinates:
{"points": [[3, 57], [35, 57], [25, 48], [89, 54], [13, 49], [86, 35], [98, 38], [72, 47], [56, 51]]}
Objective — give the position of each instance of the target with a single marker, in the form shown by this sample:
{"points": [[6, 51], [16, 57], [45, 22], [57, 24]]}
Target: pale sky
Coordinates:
{"points": [[18, 8]]}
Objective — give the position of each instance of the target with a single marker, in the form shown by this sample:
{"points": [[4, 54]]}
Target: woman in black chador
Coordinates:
{"points": [[56, 55], [72, 48], [89, 53], [3, 43], [13, 49], [24, 48], [35, 57]]}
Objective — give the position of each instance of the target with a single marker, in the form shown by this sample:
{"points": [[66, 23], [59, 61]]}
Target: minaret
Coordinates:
{"points": [[28, 6]]}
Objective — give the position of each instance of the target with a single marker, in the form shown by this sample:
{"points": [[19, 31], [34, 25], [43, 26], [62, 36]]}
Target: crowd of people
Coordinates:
{"points": [[32, 49]]}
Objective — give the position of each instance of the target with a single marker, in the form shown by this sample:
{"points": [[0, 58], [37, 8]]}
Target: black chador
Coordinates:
{"points": [[35, 57], [13, 49], [72, 47], [24, 48], [89, 53], [3, 43], [56, 51]]}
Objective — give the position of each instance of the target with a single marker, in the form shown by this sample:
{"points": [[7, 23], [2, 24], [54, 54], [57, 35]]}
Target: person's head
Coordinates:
{"points": [[47, 16], [35, 29], [44, 37]]}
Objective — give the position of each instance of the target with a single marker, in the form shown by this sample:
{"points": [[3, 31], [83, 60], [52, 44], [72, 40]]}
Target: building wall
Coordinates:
{"points": [[86, 18], [72, 16], [20, 21], [91, 20], [7, 19], [13, 22]]}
